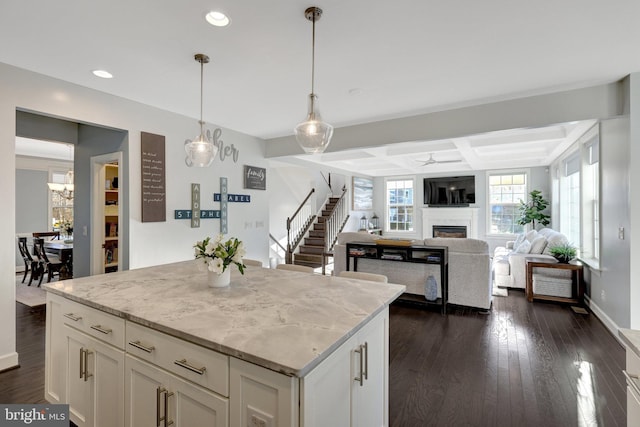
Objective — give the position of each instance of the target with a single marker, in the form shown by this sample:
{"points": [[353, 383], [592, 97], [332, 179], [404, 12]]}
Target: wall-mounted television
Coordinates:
{"points": [[450, 191]]}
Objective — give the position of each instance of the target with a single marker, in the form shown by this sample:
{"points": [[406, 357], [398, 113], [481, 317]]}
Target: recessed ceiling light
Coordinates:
{"points": [[103, 74], [355, 91], [217, 19]]}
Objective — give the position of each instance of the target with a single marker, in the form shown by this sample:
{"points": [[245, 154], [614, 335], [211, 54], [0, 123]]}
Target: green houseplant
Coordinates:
{"points": [[563, 253], [533, 210]]}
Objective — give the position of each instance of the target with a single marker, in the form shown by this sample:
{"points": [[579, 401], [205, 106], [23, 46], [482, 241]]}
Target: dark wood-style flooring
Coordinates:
{"points": [[523, 364]]}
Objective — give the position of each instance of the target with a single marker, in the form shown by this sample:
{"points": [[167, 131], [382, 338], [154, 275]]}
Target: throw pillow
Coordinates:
{"points": [[537, 245], [519, 239], [532, 234], [523, 248]]}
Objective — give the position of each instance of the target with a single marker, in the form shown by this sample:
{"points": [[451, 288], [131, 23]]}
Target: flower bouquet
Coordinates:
{"points": [[218, 254]]}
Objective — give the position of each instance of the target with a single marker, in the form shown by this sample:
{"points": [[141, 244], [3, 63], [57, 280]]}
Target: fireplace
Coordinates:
{"points": [[457, 231], [466, 217]]}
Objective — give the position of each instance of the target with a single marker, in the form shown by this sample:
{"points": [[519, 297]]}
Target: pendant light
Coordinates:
{"points": [[313, 134], [201, 151]]}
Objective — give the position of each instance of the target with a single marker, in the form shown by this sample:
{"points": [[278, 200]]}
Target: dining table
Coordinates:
{"points": [[64, 251]]}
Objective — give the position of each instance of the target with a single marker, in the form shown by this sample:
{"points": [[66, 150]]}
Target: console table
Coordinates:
{"points": [[437, 255], [577, 288]]}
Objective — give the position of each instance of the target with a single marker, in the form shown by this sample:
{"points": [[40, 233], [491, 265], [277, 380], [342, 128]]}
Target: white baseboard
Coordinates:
{"points": [[8, 361], [606, 320]]}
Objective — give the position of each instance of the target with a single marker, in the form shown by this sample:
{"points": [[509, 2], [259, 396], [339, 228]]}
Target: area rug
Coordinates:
{"points": [[32, 296], [499, 292]]}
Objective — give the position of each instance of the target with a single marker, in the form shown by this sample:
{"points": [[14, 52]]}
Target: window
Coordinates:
{"points": [[591, 200], [570, 198], [61, 203], [399, 195], [505, 192]]}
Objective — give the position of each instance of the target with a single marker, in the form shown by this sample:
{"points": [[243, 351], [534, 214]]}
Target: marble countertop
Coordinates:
{"points": [[283, 320], [631, 338]]}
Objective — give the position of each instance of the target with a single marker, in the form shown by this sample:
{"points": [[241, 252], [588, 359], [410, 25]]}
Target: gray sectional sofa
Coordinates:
{"points": [[470, 281]]}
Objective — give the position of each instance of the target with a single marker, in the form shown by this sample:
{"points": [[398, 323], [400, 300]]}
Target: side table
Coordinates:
{"points": [[577, 291]]}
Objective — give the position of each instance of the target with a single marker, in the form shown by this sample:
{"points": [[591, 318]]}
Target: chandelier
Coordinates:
{"points": [[63, 189]]}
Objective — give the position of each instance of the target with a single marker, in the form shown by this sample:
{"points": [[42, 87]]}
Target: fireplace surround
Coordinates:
{"points": [[461, 217]]}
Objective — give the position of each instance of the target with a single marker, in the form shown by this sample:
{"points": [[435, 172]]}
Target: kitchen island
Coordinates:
{"points": [[275, 348]]}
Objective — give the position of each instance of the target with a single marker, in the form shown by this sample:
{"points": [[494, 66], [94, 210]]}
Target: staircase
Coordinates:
{"points": [[310, 252]]}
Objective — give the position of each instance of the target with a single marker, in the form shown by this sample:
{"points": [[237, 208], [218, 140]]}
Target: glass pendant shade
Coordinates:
{"points": [[313, 134], [200, 152]]}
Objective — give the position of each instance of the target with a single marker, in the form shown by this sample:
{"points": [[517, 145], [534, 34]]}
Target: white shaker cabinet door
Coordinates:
{"points": [[95, 378], [155, 397], [349, 388]]}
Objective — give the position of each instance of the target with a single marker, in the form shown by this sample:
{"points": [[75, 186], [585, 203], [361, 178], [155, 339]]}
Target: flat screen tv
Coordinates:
{"points": [[450, 191]]}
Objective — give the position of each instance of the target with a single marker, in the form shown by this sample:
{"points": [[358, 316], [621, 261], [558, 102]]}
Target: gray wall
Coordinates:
{"points": [[32, 205], [609, 288]]}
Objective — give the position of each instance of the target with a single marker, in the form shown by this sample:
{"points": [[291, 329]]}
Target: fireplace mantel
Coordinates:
{"points": [[467, 217]]}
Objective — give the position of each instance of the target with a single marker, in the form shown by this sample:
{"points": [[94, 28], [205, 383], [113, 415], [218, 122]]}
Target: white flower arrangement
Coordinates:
{"points": [[217, 254]]}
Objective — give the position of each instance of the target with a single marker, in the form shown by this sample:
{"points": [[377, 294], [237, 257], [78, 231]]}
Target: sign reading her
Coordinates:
{"points": [[255, 178]]}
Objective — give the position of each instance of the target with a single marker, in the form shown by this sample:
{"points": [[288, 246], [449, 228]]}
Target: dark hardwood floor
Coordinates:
{"points": [[26, 383], [523, 364]]}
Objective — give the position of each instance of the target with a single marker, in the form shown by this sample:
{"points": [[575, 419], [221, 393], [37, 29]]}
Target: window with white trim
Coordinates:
{"points": [[400, 206], [505, 192], [578, 198]]}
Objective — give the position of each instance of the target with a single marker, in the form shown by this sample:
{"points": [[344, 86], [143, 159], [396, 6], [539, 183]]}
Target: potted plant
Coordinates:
{"points": [[533, 210], [563, 253]]}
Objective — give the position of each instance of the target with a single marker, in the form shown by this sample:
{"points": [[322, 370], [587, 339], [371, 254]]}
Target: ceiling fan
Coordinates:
{"points": [[432, 161]]}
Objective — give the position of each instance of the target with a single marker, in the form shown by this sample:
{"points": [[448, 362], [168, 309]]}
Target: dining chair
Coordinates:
{"points": [[364, 276], [31, 265], [251, 262], [50, 265], [293, 267], [54, 235]]}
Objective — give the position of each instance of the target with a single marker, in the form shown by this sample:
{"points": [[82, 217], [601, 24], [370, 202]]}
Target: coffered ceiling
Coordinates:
{"points": [[375, 60]]}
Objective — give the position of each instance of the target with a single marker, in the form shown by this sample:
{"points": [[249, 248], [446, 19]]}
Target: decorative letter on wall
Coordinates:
{"points": [[223, 205], [152, 160], [195, 205]]}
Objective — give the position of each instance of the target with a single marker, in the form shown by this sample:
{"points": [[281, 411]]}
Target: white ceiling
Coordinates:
{"points": [[374, 59]]}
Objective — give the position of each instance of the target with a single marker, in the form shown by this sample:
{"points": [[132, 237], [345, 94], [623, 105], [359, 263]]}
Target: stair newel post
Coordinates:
{"points": [[287, 256]]}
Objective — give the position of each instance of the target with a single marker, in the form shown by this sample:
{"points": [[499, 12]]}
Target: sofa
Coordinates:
{"points": [[509, 262], [469, 268]]}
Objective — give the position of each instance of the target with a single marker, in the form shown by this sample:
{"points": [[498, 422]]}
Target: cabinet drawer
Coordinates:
{"points": [[103, 326], [200, 365]]}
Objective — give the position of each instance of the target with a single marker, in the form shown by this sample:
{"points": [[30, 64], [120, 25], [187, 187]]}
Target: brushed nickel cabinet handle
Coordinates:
{"points": [[183, 363], [360, 379], [72, 317], [366, 360], [144, 348], [159, 391], [630, 381], [100, 329], [87, 375], [167, 423], [81, 361]]}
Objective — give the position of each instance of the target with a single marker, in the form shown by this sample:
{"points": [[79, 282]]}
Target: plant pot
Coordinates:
{"points": [[219, 280]]}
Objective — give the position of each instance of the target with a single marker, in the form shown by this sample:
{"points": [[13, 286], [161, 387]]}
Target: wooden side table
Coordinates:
{"points": [[577, 288]]}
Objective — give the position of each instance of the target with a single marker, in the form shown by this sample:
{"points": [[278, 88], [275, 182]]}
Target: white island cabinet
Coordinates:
{"points": [[631, 339], [277, 348]]}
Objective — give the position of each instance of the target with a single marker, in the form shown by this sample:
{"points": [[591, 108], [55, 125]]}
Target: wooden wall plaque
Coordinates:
{"points": [[154, 201]]}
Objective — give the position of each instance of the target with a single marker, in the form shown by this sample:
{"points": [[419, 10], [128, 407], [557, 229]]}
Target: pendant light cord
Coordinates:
{"points": [[313, 53], [201, 93]]}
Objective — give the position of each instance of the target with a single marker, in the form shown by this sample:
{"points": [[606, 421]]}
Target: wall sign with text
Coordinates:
{"points": [[255, 178], [152, 159]]}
